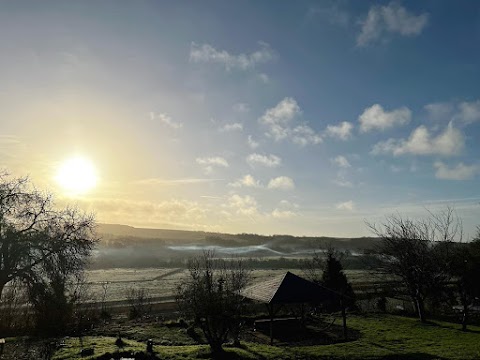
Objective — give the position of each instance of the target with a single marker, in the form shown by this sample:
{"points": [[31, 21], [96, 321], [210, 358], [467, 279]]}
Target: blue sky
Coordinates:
{"points": [[305, 117]]}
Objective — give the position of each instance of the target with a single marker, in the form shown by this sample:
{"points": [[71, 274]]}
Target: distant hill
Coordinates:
{"points": [[119, 232], [130, 231], [123, 246]]}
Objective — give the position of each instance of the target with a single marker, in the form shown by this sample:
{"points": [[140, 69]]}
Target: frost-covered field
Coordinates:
{"points": [[162, 282], [157, 282]]}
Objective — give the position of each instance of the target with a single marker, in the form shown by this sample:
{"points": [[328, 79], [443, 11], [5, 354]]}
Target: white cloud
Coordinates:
{"points": [[393, 19], [341, 131], [215, 160], [241, 108], [282, 114], [206, 53], [252, 143], [243, 205], [264, 160], [347, 205], [375, 118], [305, 135], [459, 172], [246, 181], [283, 214], [210, 162], [281, 121], [281, 183], [448, 143], [469, 112], [341, 161], [231, 127], [166, 120]]}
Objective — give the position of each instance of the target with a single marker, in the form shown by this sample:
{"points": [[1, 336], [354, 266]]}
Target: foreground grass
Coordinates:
{"points": [[382, 337]]}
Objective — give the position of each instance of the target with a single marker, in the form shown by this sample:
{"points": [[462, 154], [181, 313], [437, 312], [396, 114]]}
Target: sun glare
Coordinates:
{"points": [[77, 175]]}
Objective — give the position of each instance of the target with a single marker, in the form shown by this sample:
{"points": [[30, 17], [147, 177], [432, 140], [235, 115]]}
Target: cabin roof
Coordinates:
{"points": [[287, 288]]}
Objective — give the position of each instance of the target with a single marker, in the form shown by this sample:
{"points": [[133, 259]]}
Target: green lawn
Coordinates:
{"points": [[381, 337]]}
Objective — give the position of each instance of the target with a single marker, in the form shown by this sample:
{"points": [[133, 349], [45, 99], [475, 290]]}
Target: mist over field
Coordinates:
{"points": [[126, 246]]}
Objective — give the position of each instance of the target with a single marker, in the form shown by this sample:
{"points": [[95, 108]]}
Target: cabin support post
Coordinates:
{"points": [[270, 312]]}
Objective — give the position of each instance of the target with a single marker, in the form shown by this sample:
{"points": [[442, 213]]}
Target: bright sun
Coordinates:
{"points": [[76, 175]]}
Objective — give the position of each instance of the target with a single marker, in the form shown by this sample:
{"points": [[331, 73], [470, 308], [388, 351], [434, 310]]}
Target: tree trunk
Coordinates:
{"points": [[465, 316], [420, 309], [415, 304]]}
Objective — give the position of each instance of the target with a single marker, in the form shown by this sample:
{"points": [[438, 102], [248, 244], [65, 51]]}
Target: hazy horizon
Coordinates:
{"points": [[118, 232]]}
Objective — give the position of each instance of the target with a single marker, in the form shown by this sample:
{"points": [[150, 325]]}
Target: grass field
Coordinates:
{"points": [[162, 282], [380, 337], [158, 282]]}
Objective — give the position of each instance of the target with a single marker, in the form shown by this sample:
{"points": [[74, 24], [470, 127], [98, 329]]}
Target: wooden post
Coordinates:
{"points": [[344, 317], [270, 311]]}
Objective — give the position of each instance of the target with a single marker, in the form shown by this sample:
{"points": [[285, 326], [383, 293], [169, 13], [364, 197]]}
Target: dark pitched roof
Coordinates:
{"points": [[287, 288]]}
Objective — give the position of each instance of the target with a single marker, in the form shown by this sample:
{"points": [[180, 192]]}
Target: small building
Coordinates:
{"points": [[287, 288]]}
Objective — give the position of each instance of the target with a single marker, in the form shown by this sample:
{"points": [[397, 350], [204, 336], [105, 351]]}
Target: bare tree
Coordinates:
{"points": [[33, 233], [211, 296], [313, 267], [418, 252]]}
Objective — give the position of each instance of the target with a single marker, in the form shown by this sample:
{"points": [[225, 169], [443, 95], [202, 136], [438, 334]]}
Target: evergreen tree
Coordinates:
{"points": [[335, 279]]}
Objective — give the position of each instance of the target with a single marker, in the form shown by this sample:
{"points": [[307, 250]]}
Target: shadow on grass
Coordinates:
{"points": [[256, 355], [454, 328], [292, 332], [410, 356]]}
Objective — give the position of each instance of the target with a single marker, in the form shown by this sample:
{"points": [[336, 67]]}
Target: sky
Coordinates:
{"points": [[271, 117]]}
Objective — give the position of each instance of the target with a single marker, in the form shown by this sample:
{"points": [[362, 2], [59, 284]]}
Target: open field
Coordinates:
{"points": [[162, 282], [158, 282], [380, 337]]}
